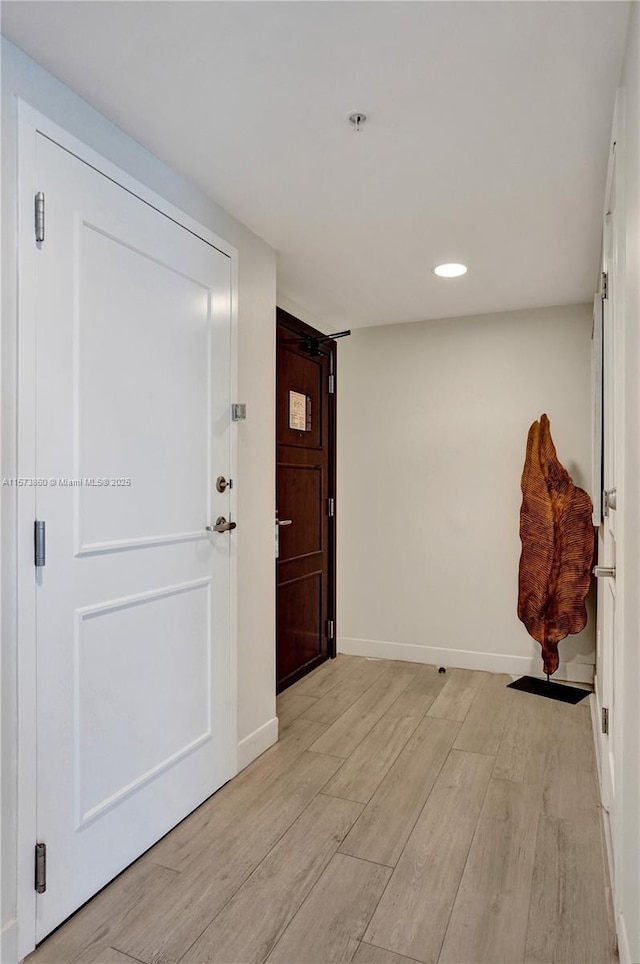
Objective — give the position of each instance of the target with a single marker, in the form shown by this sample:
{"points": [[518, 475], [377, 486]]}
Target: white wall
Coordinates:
{"points": [[298, 311], [21, 77], [432, 428], [627, 833]]}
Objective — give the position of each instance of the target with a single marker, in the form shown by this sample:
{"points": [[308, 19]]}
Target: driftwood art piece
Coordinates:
{"points": [[556, 532]]}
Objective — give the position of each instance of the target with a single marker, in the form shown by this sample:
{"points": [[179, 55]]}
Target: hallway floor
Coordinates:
{"points": [[404, 816]]}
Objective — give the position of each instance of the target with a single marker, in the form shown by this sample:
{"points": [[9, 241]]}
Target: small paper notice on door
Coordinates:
{"points": [[298, 412]]}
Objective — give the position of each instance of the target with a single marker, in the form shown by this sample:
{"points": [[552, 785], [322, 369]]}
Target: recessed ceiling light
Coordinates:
{"points": [[450, 270]]}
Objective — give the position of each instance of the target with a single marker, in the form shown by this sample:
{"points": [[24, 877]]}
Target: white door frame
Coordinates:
{"points": [[31, 123], [616, 273]]}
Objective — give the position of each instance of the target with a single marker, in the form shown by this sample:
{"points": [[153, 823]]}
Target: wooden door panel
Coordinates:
{"points": [[300, 606], [303, 376], [305, 459], [300, 495]]}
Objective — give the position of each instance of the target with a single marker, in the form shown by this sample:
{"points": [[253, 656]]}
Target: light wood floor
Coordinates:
{"points": [[404, 816]]}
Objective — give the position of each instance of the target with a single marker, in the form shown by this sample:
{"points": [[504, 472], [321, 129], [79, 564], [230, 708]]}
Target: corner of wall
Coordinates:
{"points": [[296, 309], [257, 742]]}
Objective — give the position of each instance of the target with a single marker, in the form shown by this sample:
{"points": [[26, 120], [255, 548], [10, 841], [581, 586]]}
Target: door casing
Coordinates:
{"points": [[614, 263], [20, 514]]}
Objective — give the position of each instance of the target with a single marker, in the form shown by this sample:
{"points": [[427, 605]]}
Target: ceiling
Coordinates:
{"points": [[486, 139]]}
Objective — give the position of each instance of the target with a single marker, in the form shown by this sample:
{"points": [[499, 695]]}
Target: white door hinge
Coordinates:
{"points": [[39, 216]]}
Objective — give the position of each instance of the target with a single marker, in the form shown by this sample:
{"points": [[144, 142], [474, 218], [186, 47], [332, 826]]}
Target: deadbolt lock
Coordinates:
{"points": [[222, 484]]}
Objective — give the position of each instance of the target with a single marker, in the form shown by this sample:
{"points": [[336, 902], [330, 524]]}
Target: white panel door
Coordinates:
{"points": [[133, 604]]}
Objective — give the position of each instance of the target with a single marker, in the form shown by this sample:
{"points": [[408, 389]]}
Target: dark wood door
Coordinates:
{"points": [[305, 494]]}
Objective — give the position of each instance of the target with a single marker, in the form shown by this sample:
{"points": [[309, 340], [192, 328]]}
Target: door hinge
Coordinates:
{"points": [[605, 285], [332, 384], [39, 216], [39, 542], [605, 720], [609, 500], [331, 508], [41, 868], [331, 630]]}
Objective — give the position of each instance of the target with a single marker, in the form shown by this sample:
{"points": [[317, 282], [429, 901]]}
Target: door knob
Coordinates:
{"points": [[610, 499], [221, 525], [600, 571], [222, 484]]}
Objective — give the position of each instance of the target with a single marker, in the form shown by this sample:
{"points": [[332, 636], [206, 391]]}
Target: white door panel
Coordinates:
{"points": [[174, 679], [133, 620], [147, 400]]}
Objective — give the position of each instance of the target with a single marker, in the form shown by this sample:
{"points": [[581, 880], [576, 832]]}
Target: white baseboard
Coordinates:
{"points": [[9, 942], [463, 659], [257, 742], [624, 951]]}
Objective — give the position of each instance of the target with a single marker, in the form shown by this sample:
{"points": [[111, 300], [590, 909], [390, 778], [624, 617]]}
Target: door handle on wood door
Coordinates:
{"points": [[284, 522], [222, 525]]}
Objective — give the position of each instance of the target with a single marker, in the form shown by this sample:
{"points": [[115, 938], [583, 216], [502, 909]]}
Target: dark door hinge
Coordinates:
{"points": [[331, 630], [39, 216], [605, 285], [605, 720], [331, 507], [41, 868]]}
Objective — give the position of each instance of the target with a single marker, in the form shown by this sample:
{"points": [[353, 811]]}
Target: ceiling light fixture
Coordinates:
{"points": [[450, 270]]}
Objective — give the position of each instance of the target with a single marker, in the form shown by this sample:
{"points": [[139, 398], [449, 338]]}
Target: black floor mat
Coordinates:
{"points": [[552, 691]]}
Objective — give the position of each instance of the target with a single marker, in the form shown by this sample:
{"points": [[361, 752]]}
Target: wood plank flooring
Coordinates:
{"points": [[404, 817]]}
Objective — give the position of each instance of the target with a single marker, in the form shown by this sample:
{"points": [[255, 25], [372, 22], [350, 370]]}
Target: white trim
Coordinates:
{"points": [[617, 710], [613, 825], [25, 514], [613, 820], [624, 951], [573, 672], [30, 123], [123, 545], [9, 942], [596, 725], [606, 822], [233, 514], [596, 410], [257, 742]]}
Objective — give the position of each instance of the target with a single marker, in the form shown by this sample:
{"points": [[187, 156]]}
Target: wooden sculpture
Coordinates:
{"points": [[557, 538]]}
